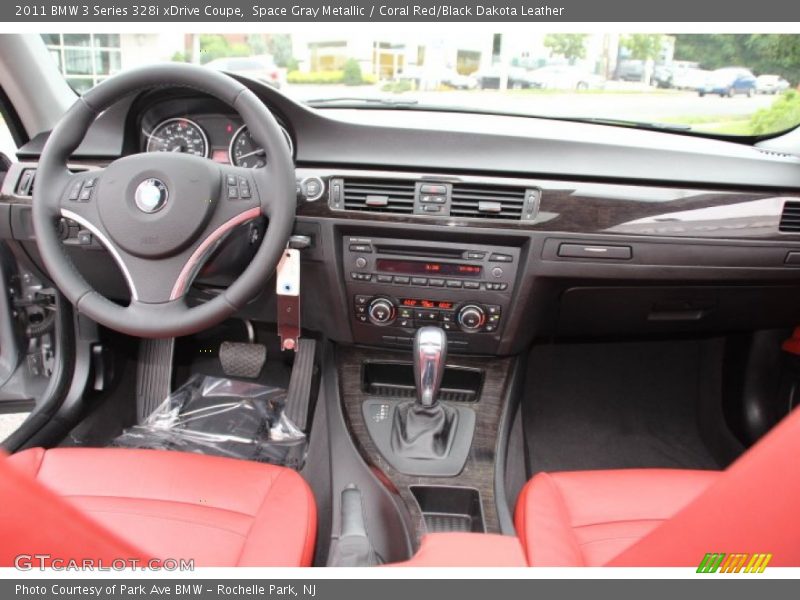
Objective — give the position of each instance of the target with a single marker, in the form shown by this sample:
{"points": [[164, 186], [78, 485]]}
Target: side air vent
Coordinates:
{"points": [[489, 202], [27, 177], [790, 218], [379, 195], [25, 183]]}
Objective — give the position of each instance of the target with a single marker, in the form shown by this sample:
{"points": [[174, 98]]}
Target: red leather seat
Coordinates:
{"points": [[671, 518], [586, 518], [217, 511]]}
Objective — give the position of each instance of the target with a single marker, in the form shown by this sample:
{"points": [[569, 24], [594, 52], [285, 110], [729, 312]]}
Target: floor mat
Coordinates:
{"points": [[622, 405]]}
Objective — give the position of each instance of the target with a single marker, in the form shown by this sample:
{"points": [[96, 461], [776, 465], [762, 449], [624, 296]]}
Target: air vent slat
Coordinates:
{"points": [[495, 196], [790, 218], [468, 199], [379, 195]]}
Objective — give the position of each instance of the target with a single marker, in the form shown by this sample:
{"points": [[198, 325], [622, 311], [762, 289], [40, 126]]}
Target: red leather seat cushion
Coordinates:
{"points": [[218, 511], [466, 550], [586, 518]]}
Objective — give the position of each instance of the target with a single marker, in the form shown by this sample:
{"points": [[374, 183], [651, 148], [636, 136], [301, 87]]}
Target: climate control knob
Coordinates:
{"points": [[381, 311], [471, 318]]}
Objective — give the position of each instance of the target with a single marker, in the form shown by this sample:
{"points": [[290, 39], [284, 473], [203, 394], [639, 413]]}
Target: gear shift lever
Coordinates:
{"points": [[423, 429], [423, 436], [430, 355]]}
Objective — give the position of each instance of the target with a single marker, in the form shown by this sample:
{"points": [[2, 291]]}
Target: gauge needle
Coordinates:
{"points": [[155, 137], [253, 153]]}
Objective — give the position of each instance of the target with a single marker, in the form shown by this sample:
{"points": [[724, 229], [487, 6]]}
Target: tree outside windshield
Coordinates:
{"points": [[726, 84]]}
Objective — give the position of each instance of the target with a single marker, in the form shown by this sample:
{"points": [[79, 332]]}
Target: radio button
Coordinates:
{"points": [[365, 248], [401, 279], [472, 285], [436, 282], [384, 278], [419, 281], [506, 258], [426, 315], [433, 188], [454, 283], [475, 255]]}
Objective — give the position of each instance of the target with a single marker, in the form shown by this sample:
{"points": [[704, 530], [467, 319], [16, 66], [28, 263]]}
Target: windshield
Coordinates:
{"points": [[705, 83]]}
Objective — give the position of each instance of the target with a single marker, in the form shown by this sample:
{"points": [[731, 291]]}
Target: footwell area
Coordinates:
{"points": [[620, 405]]}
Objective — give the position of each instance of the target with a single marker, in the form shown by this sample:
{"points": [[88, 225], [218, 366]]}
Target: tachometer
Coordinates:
{"points": [[178, 135], [244, 152]]}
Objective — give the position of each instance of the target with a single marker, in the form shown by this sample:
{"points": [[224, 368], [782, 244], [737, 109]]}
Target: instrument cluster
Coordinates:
{"points": [[221, 137]]}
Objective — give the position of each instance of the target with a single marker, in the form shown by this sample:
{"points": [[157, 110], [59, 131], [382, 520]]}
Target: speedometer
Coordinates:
{"points": [[178, 135], [244, 152]]}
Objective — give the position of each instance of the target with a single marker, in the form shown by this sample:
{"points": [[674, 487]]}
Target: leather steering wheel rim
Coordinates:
{"points": [[160, 244]]}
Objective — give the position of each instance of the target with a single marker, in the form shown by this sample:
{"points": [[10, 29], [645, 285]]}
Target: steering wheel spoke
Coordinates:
{"points": [[79, 194], [240, 192]]}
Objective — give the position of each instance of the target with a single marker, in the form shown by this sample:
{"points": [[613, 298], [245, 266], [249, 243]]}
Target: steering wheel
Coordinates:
{"points": [[161, 214]]}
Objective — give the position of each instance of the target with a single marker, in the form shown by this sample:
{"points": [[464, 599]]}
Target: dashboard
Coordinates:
{"points": [[501, 229]]}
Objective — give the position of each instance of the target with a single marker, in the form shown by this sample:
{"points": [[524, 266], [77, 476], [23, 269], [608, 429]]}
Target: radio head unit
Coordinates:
{"points": [[395, 286]]}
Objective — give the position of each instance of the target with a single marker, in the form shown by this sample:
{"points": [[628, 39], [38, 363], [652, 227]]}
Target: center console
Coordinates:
{"points": [[396, 286]]}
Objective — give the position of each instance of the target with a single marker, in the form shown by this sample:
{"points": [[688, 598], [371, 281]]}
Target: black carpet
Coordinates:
{"points": [[622, 405]]}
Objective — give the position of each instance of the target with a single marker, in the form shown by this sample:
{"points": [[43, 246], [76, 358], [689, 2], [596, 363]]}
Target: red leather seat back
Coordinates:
{"points": [[753, 507]]}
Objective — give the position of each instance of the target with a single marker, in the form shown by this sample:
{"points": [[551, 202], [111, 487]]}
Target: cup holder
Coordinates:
{"points": [[450, 508]]}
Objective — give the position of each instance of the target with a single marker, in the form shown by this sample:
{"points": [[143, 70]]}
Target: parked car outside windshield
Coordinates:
{"points": [[729, 82]]}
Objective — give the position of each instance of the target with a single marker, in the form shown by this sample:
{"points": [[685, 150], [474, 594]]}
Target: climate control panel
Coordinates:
{"points": [[411, 313]]}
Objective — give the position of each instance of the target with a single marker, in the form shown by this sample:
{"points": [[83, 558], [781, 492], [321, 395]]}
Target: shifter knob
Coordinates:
{"points": [[430, 354]]}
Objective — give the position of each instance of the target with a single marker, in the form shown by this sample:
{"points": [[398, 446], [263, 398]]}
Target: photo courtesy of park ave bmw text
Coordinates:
{"points": [[399, 299]]}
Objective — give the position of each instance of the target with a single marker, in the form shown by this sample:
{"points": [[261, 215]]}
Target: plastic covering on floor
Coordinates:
{"points": [[222, 417]]}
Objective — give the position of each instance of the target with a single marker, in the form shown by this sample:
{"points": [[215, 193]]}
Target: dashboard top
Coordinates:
{"points": [[469, 143]]}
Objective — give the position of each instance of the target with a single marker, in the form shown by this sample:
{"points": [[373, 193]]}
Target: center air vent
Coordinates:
{"points": [[379, 195], [790, 218], [489, 202]]}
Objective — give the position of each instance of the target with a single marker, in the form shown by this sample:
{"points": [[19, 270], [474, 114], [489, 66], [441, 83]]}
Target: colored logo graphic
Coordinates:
{"points": [[719, 562]]}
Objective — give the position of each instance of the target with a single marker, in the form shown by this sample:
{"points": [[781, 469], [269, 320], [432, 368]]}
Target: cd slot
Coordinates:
{"points": [[419, 252]]}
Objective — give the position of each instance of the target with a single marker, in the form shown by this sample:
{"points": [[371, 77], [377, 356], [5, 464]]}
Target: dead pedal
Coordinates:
{"points": [[242, 359]]}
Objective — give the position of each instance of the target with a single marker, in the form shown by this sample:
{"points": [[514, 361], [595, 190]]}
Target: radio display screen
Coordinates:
{"points": [[420, 267]]}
